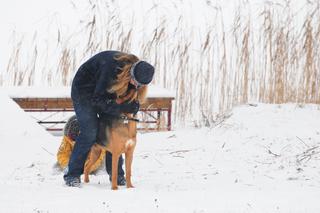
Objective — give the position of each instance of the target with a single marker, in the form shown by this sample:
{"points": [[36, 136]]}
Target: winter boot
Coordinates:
{"points": [[72, 181], [121, 180]]}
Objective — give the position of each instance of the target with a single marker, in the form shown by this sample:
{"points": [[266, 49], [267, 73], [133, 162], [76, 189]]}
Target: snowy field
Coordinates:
{"points": [[261, 158]]}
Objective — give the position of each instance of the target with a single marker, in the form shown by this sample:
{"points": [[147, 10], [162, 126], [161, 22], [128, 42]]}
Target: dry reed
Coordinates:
{"points": [[269, 60]]}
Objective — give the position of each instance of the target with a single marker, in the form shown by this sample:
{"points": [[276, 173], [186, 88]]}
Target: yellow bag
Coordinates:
{"points": [[65, 151]]}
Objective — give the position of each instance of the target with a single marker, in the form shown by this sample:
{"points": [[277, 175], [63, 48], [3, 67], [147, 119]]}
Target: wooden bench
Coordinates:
{"points": [[55, 100]]}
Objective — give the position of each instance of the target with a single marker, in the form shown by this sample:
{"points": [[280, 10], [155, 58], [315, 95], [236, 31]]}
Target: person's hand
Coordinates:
{"points": [[132, 107]]}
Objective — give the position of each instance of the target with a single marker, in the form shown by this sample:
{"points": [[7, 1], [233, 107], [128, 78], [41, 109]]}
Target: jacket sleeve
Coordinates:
{"points": [[103, 104], [101, 100]]}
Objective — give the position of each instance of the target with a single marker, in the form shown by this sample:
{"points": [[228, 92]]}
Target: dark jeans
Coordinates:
{"points": [[109, 164], [88, 122]]}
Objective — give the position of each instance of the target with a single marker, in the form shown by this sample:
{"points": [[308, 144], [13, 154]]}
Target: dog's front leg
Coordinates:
{"points": [[114, 178], [129, 158]]}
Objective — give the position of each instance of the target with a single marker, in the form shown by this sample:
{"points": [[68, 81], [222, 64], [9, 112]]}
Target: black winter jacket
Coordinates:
{"points": [[93, 79]]}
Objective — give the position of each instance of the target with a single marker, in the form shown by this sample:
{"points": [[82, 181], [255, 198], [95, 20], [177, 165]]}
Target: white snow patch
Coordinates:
{"points": [[24, 144], [261, 159]]}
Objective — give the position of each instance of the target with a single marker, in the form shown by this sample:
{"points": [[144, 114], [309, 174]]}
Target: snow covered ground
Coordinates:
{"points": [[263, 158]]}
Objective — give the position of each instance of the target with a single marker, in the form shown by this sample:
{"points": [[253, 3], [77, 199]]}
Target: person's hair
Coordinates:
{"points": [[124, 77]]}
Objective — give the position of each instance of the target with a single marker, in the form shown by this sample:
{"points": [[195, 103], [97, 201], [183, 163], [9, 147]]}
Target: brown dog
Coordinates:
{"points": [[122, 139]]}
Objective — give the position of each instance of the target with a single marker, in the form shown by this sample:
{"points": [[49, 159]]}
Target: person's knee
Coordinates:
{"points": [[91, 133], [88, 136]]}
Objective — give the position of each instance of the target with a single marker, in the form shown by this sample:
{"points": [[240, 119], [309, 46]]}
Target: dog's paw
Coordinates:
{"points": [[130, 186], [86, 179], [114, 187]]}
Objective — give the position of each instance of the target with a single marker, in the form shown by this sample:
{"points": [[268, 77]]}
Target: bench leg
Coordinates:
{"points": [[158, 119], [169, 119]]}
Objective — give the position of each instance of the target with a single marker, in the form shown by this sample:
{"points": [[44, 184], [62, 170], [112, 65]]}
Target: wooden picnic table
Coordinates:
{"points": [[57, 99]]}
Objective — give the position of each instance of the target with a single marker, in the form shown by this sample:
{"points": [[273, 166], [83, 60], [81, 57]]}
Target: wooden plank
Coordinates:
{"points": [[44, 103], [158, 105], [66, 103]]}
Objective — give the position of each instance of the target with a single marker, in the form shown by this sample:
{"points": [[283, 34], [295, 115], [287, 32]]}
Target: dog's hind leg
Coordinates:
{"points": [[94, 155], [114, 178], [129, 158]]}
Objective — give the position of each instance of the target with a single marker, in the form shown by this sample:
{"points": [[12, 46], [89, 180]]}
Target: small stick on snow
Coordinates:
{"points": [[303, 141], [253, 105], [179, 151], [47, 151], [276, 155]]}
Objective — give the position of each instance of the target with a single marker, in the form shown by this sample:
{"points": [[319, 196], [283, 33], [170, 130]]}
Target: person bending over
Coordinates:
{"points": [[96, 86]]}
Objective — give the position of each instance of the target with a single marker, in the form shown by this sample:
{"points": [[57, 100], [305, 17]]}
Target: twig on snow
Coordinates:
{"points": [[179, 151], [303, 142], [47, 151], [307, 155], [276, 155]]}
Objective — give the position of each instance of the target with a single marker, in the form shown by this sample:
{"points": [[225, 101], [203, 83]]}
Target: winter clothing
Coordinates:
{"points": [[71, 132], [109, 165], [65, 151], [132, 107], [93, 79], [121, 181], [142, 72], [88, 121], [92, 101], [72, 181], [71, 129]]}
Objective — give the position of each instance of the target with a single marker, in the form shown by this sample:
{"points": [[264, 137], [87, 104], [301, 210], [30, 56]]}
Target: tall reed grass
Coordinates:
{"points": [[266, 57]]}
